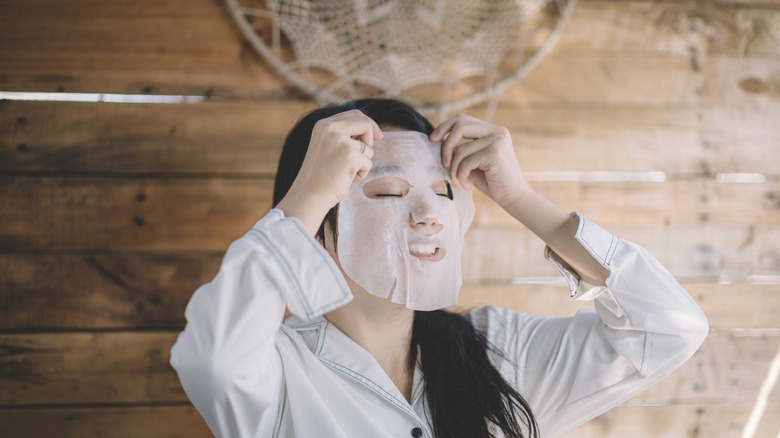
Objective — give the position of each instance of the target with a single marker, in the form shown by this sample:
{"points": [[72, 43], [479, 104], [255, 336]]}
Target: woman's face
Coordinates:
{"points": [[401, 228]]}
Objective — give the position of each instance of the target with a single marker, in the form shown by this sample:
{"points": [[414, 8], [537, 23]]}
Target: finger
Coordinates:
{"points": [[464, 150], [365, 167], [468, 165], [372, 132], [368, 150], [444, 127], [460, 131], [464, 130], [448, 145], [355, 124]]}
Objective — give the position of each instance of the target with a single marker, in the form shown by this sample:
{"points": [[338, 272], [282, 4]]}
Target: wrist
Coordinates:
{"points": [[538, 214], [307, 209], [523, 198]]}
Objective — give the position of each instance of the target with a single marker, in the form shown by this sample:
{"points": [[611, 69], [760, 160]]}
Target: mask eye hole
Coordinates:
{"points": [[386, 187], [443, 189]]}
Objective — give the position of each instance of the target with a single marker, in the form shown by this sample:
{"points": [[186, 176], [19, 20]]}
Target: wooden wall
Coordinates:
{"points": [[112, 214]]}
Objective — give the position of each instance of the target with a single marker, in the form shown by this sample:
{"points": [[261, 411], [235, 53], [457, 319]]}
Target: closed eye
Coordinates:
{"points": [[447, 195], [386, 187]]}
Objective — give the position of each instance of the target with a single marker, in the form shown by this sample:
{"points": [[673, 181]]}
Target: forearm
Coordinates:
{"points": [[307, 209], [557, 229]]}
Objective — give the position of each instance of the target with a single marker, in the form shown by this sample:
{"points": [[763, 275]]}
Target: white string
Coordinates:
{"points": [[396, 46]]}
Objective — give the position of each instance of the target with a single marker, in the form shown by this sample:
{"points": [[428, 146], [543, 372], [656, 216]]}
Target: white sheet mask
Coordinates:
{"points": [[399, 233]]}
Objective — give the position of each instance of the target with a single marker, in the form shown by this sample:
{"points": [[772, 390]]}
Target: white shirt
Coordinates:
{"points": [[250, 374]]}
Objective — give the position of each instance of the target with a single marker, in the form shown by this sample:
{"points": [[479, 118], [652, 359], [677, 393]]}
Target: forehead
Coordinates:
{"points": [[407, 152]]}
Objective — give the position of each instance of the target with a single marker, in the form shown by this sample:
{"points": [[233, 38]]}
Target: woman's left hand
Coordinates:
{"points": [[481, 154]]}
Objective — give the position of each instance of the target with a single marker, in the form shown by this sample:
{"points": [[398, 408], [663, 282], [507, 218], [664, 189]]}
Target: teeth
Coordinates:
{"points": [[422, 249]]}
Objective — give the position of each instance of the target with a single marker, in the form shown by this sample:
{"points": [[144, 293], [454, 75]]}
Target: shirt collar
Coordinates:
{"points": [[339, 352]]}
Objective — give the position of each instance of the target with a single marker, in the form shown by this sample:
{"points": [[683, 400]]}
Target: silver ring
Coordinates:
{"points": [[363, 147]]}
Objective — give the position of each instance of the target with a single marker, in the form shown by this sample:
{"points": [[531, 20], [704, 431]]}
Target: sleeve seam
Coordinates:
{"points": [[288, 270]]}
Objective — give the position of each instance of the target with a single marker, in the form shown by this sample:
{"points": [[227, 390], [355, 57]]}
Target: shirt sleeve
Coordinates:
{"points": [[225, 357], [643, 326]]}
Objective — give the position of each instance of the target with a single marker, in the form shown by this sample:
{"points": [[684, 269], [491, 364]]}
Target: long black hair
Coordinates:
{"points": [[465, 393]]}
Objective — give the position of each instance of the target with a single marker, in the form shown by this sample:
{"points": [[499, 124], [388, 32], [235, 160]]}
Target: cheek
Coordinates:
{"points": [[380, 217]]}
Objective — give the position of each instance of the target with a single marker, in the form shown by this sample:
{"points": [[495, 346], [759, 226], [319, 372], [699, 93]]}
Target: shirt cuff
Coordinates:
{"points": [[317, 285], [600, 243]]}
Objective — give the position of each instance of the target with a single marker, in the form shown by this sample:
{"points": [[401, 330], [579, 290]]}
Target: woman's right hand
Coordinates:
{"points": [[333, 162]]}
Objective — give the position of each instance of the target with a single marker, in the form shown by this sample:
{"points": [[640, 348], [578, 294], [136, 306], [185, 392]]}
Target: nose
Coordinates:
{"points": [[424, 221]]}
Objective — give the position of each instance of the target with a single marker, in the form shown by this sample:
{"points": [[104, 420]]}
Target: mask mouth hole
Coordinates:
{"points": [[426, 255]]}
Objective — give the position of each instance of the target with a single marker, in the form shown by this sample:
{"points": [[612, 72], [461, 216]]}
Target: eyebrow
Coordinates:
{"points": [[390, 168]]}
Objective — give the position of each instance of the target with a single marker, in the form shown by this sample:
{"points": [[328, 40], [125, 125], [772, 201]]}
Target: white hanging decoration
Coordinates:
{"points": [[441, 56]]}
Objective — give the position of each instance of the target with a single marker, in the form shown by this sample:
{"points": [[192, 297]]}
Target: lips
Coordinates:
{"points": [[427, 251]]}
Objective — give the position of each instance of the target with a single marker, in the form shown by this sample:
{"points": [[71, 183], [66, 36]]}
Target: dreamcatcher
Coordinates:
{"points": [[439, 55]]}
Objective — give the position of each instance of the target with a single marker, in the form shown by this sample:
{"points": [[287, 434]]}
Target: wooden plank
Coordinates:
{"points": [[243, 137], [675, 421], [99, 290], [699, 140], [695, 252], [189, 48], [679, 28], [727, 368], [670, 202], [72, 368], [143, 214], [100, 422], [149, 291], [649, 80], [727, 306], [182, 214], [132, 367], [216, 137], [181, 47]]}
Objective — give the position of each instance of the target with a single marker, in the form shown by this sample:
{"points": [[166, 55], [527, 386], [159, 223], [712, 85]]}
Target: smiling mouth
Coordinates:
{"points": [[427, 252]]}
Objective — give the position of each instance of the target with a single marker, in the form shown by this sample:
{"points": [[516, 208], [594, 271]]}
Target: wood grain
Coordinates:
{"points": [[679, 28], [684, 141], [671, 421], [194, 48], [99, 290], [695, 252], [244, 137], [132, 367], [206, 214], [216, 137], [150, 291], [675, 421], [112, 214], [182, 47], [127, 213], [648, 80], [181, 421], [673, 203], [71, 368], [727, 306], [743, 363]]}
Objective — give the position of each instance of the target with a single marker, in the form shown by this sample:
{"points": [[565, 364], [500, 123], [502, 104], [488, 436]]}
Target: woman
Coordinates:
{"points": [[363, 249]]}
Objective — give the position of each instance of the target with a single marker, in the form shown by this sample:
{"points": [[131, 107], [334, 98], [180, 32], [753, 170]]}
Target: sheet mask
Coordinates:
{"points": [[406, 247]]}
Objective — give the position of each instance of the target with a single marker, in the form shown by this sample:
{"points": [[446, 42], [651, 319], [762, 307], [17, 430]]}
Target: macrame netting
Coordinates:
{"points": [[440, 55]]}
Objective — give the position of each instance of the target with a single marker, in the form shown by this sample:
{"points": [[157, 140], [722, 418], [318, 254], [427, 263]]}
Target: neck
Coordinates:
{"points": [[384, 329]]}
